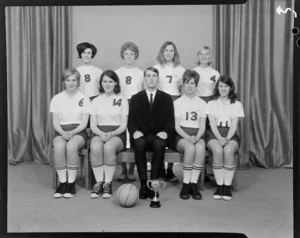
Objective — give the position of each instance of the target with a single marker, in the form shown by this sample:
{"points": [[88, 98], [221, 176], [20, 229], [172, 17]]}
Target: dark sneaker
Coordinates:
{"points": [[122, 176], [97, 190], [107, 190], [194, 191], [227, 195], [184, 194], [131, 177], [70, 190], [144, 193], [219, 192], [60, 191], [171, 176], [162, 175]]}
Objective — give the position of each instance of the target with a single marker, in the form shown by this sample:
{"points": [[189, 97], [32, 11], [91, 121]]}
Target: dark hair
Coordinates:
{"points": [[160, 57], [69, 72], [190, 74], [85, 45], [111, 74], [129, 46], [228, 81], [153, 69]]}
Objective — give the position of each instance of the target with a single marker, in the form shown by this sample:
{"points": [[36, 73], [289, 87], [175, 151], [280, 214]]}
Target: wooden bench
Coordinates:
{"points": [[171, 156], [128, 156]]}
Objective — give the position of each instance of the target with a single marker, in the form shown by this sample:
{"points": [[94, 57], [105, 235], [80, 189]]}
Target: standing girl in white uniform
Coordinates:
{"points": [[108, 120], [208, 75], [131, 82], [90, 74], [70, 112], [170, 81], [190, 118], [222, 139], [208, 80]]}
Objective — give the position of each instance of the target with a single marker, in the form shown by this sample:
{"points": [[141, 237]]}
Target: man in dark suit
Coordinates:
{"points": [[151, 124]]}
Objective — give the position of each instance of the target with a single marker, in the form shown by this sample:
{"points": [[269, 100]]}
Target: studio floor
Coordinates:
{"points": [[262, 206]]}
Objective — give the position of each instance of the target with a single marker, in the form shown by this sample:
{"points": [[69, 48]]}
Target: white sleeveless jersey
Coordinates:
{"points": [[131, 81], [89, 79], [109, 109], [189, 110], [207, 82], [170, 78], [70, 109], [224, 113]]}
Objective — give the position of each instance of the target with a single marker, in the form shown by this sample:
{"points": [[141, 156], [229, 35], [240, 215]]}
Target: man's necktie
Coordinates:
{"points": [[151, 101]]}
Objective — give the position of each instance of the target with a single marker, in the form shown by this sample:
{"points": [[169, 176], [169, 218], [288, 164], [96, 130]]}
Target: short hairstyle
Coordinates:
{"points": [[190, 74], [160, 57], [111, 74], [197, 61], [130, 46], [228, 81], [85, 45], [153, 69], [69, 72]]}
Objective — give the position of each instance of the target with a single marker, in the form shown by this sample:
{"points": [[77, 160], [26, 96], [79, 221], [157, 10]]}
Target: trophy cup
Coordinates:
{"points": [[156, 185]]}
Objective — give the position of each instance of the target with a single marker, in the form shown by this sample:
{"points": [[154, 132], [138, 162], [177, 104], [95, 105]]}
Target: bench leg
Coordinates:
{"points": [[201, 179], [87, 167]]}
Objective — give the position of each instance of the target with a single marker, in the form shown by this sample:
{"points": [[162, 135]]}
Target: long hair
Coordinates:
{"points": [[85, 45], [160, 57], [111, 74], [228, 81]]}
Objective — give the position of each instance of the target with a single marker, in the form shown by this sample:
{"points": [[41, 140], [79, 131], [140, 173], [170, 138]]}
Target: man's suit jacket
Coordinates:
{"points": [[161, 118]]}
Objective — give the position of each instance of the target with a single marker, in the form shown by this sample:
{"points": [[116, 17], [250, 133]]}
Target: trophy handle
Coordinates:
{"points": [[164, 184], [148, 184]]}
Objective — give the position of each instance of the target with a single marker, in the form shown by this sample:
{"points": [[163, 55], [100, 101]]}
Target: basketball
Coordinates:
{"points": [[127, 195]]}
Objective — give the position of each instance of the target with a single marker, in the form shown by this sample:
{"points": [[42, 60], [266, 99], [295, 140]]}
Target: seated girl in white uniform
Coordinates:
{"points": [[190, 118], [131, 82], [108, 120], [70, 112], [222, 138]]}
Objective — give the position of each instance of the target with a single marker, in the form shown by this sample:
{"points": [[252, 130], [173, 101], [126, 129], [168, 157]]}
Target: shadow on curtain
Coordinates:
{"points": [[37, 52], [254, 45]]}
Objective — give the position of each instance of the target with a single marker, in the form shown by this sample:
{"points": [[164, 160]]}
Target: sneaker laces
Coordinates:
{"points": [[96, 188], [106, 188]]}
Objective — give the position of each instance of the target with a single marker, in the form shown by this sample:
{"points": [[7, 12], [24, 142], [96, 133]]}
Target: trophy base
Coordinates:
{"points": [[155, 204]]}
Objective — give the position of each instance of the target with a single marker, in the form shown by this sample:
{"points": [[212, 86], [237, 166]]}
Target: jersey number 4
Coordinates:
{"points": [[193, 117], [117, 103]]}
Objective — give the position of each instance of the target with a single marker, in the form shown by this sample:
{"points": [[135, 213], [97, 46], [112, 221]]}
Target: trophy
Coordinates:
{"points": [[156, 185]]}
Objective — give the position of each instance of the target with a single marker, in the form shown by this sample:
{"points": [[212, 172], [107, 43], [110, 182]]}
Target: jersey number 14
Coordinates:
{"points": [[117, 103]]}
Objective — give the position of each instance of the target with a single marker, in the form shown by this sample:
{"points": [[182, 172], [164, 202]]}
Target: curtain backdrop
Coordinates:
{"points": [[254, 45], [37, 51]]}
